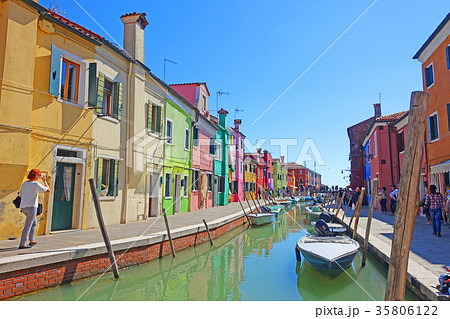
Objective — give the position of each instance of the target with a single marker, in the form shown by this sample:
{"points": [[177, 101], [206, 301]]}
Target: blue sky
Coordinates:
{"points": [[256, 49]]}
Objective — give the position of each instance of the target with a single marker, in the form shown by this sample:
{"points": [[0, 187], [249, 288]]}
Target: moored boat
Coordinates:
{"points": [[333, 228], [274, 209], [329, 255], [261, 218]]}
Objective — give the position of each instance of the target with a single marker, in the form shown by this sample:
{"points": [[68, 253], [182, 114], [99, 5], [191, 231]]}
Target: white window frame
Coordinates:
{"points": [[192, 180], [218, 150], [375, 144], [203, 103], [208, 175], [431, 64], [186, 183], [167, 136], [437, 127], [188, 131], [171, 185], [108, 158], [404, 140], [82, 83]]}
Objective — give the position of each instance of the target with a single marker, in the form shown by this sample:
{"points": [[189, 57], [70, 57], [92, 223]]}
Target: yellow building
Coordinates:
{"points": [[250, 167], [63, 93]]}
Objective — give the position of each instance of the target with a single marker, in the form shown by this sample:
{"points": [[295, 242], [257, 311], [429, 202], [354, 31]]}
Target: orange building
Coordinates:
{"points": [[435, 58]]}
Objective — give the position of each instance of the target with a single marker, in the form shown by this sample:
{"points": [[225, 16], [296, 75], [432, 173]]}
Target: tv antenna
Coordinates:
{"points": [[236, 111], [220, 93], [55, 8], [164, 79]]}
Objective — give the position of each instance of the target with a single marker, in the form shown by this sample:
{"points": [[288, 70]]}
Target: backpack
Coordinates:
{"points": [[17, 201], [444, 283]]}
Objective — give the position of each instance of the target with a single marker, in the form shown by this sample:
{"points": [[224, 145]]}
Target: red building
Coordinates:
{"points": [[356, 134], [268, 173]]}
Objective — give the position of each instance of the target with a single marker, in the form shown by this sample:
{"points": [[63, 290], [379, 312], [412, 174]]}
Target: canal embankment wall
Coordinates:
{"points": [[28, 272]]}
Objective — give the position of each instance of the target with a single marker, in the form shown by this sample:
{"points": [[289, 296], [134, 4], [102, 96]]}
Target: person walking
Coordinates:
{"points": [[435, 200], [447, 203], [29, 192], [383, 200], [394, 196]]}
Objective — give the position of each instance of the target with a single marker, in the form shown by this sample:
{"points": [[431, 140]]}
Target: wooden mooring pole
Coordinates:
{"points": [[168, 232], [340, 205], [360, 201], [243, 210], [369, 219], [101, 223], [408, 198], [348, 204], [209, 234]]}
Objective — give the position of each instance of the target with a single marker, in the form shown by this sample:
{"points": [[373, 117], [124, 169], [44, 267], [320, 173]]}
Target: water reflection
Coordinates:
{"points": [[257, 263]]}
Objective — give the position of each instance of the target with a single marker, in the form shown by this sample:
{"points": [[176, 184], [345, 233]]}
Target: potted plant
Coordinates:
{"points": [[104, 190]]}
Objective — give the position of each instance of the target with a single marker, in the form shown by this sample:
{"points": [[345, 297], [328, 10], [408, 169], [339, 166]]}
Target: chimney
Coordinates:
{"points": [[223, 118], [258, 150], [237, 125], [282, 159], [133, 34], [377, 107]]}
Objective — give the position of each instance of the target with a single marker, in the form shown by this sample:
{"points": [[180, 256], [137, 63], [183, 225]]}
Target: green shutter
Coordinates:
{"points": [[116, 180], [149, 115], [55, 71], [159, 119], [112, 180], [100, 87], [92, 89], [99, 175], [117, 100]]}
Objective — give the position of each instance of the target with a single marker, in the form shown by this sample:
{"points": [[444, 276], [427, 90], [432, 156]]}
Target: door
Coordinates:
{"points": [[215, 190], [153, 199], [177, 195], [63, 196]]}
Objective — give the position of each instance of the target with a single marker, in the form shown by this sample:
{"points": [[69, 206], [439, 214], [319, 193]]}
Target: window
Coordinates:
{"points": [[211, 146], [168, 185], [210, 182], [429, 76], [433, 127], [401, 141], [107, 176], [246, 186], [221, 184], [107, 98], [448, 116], [375, 143], [195, 136], [187, 139], [154, 117], [218, 151], [245, 167], [270, 175], [185, 186], [204, 104], [447, 52], [169, 131], [383, 161], [70, 75], [234, 188], [195, 180]]}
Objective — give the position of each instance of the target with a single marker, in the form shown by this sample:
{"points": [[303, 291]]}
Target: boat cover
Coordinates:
{"points": [[328, 248]]}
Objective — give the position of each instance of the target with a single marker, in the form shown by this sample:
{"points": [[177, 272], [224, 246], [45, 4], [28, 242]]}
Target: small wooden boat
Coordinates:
{"points": [[261, 218], [274, 209], [329, 255], [313, 212], [282, 202]]}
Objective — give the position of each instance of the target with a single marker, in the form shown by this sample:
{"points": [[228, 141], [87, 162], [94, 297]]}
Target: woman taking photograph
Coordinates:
{"points": [[29, 192]]}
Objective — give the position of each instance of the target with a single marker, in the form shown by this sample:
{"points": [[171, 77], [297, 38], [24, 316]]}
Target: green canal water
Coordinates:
{"points": [[258, 263]]}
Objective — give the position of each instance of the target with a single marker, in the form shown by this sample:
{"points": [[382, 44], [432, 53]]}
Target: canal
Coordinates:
{"points": [[258, 263]]}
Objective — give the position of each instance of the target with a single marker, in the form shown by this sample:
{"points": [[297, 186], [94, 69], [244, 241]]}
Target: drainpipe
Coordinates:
{"points": [[426, 159], [123, 214], [390, 154]]}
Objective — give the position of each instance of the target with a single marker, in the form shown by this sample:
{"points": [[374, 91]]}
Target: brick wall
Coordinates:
{"points": [[32, 279]]}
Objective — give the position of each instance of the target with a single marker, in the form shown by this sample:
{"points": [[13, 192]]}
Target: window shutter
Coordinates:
{"points": [[429, 128], [448, 115], [55, 71], [117, 100], [101, 84], [116, 180], [149, 115], [92, 90], [159, 119], [112, 179], [99, 175], [447, 51], [211, 146]]}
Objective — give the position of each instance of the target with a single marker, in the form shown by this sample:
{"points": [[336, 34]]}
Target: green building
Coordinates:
{"points": [[278, 177], [221, 187], [177, 158], [284, 176]]}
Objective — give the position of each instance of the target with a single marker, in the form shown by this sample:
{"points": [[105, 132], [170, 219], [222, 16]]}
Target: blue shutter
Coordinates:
{"points": [[92, 89], [447, 51], [448, 116], [55, 71]]}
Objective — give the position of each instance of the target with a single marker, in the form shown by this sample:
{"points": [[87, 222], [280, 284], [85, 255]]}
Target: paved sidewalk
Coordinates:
{"points": [[429, 254], [58, 241]]}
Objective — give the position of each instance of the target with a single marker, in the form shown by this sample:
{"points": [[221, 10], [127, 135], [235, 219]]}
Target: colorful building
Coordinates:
{"points": [[221, 187], [250, 167], [236, 162], [268, 172], [435, 58], [278, 177], [284, 174], [203, 136]]}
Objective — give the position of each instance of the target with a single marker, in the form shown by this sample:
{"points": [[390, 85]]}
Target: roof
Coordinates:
{"points": [[193, 83], [391, 117], [432, 36], [76, 26]]}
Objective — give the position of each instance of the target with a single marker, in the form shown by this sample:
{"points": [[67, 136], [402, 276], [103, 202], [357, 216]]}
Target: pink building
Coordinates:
{"points": [[268, 173], [237, 162], [203, 134]]}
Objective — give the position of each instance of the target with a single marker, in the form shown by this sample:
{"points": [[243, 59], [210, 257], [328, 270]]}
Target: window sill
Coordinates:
{"points": [[108, 118], [187, 149], [59, 99], [153, 133], [435, 140], [428, 87], [107, 198], [170, 197]]}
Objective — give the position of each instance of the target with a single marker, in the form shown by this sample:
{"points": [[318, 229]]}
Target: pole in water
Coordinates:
{"points": [[358, 212], [348, 204], [209, 234], [101, 223], [243, 210], [168, 232], [369, 220]]}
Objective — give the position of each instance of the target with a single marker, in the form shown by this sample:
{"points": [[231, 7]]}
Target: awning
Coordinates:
{"points": [[440, 168]]}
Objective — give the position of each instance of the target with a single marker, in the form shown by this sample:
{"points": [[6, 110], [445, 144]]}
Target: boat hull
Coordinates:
{"points": [[261, 218], [331, 269]]}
